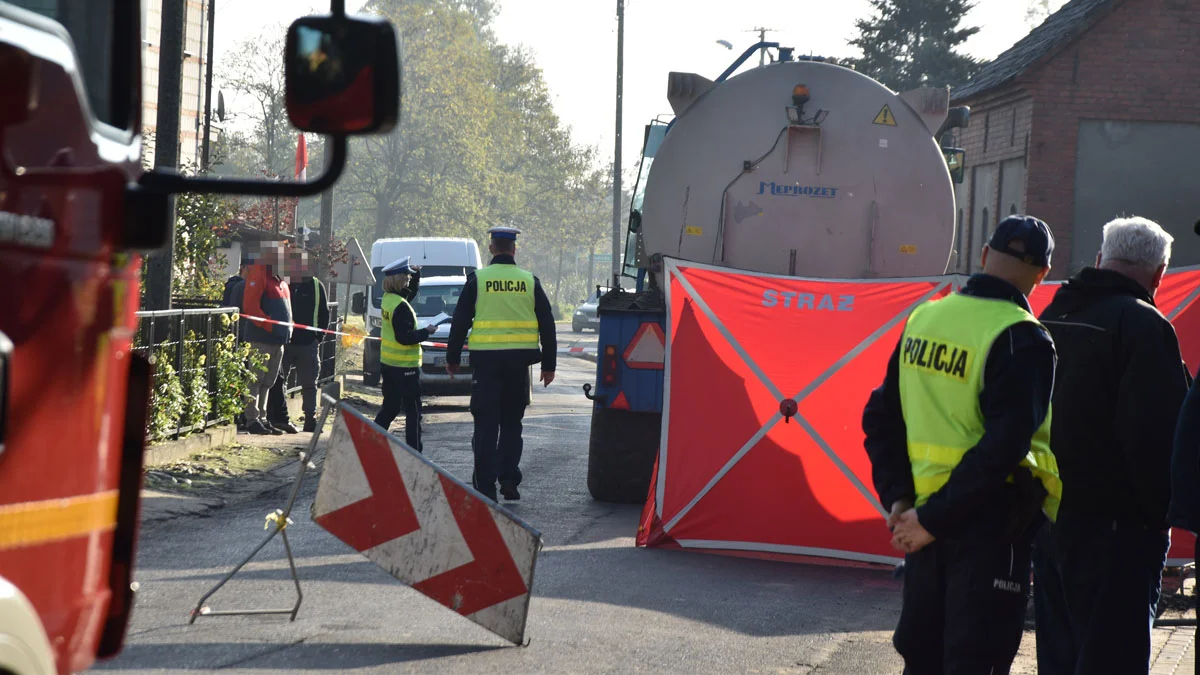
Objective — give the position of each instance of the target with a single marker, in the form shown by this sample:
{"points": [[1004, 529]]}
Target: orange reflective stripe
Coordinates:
{"points": [[32, 523]]}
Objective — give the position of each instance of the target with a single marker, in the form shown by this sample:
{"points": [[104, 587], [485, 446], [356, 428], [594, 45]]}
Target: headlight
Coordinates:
{"points": [[578, 313]]}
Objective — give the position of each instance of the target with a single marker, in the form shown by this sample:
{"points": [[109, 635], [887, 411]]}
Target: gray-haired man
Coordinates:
{"points": [[1119, 384]]}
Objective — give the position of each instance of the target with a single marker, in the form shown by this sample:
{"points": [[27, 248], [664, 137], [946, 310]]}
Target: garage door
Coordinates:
{"points": [[1136, 168]]}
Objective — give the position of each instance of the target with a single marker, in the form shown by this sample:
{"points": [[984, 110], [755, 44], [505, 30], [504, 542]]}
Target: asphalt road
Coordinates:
{"points": [[600, 605], [569, 338]]}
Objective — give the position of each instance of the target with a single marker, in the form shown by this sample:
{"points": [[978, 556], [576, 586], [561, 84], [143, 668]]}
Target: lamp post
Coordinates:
{"points": [[616, 217]]}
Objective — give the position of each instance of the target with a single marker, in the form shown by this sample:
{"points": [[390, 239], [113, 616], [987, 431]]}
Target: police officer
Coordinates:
{"points": [[400, 352], [506, 311], [960, 431]]}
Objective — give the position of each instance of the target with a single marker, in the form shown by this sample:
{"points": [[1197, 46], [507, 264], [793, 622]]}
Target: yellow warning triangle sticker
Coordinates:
{"points": [[885, 117]]}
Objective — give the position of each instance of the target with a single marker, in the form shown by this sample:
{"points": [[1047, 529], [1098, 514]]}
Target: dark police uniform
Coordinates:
{"points": [[400, 356], [507, 312], [960, 429]]}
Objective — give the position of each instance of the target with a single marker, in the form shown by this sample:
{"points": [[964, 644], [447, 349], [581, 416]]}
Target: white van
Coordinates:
{"points": [[437, 257]]}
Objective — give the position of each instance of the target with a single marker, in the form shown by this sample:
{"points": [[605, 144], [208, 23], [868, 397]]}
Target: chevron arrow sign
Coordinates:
{"points": [[425, 527]]}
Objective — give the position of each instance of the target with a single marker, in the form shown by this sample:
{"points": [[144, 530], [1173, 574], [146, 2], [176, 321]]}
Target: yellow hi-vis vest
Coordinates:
{"points": [[504, 315], [393, 353], [943, 355]]}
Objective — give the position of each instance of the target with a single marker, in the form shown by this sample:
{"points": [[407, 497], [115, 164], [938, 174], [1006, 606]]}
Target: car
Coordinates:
{"points": [[585, 315]]}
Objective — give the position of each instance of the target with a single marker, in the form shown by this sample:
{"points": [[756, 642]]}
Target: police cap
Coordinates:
{"points": [[401, 266], [509, 233]]}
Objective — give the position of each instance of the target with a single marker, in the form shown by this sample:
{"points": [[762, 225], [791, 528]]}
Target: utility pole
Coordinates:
{"points": [[616, 196], [762, 37], [166, 144], [326, 230], [208, 78]]}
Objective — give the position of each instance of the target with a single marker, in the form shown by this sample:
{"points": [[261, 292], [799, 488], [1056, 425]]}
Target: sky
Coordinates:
{"points": [[575, 44]]}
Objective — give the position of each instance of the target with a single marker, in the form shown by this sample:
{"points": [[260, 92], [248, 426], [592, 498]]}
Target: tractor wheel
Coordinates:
{"points": [[621, 454]]}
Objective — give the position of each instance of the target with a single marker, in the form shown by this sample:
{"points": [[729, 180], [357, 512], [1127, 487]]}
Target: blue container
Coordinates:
{"points": [[642, 388]]}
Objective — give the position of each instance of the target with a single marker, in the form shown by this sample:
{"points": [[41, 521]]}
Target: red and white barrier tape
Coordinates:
{"points": [[301, 326], [259, 319]]}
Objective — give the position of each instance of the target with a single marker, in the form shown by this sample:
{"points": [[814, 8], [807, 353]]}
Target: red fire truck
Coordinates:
{"points": [[77, 211]]}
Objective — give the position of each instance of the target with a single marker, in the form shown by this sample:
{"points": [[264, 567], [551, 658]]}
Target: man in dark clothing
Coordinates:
{"points": [[1118, 389], [1184, 511], [310, 306], [507, 313], [965, 439], [230, 299]]}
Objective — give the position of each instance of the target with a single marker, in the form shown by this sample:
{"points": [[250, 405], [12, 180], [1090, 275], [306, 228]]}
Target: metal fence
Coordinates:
{"points": [[166, 334]]}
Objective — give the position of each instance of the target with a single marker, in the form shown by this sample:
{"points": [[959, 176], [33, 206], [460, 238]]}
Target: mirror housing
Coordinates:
{"points": [[956, 162], [342, 75], [358, 303]]}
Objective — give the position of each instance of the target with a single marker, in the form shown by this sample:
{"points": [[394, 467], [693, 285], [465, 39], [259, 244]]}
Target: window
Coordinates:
{"points": [[434, 300], [427, 272], [92, 25]]}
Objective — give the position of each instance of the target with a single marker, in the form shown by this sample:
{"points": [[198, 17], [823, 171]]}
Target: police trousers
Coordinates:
{"points": [[402, 393], [499, 395], [964, 606], [1096, 589]]}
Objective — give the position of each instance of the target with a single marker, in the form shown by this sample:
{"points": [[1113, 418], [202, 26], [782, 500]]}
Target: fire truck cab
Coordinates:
{"points": [[77, 212]]}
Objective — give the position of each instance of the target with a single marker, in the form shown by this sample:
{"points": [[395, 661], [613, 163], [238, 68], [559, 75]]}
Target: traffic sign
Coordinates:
{"points": [[602, 257], [356, 269], [426, 528], [648, 348]]}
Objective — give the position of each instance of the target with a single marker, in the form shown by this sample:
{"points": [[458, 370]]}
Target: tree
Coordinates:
{"points": [[911, 43], [254, 72], [1037, 12]]}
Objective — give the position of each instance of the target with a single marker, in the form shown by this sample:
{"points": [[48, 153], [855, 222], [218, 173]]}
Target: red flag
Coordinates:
{"points": [[301, 159]]}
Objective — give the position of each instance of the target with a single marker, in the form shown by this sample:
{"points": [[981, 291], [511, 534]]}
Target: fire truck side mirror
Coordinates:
{"points": [[342, 75]]}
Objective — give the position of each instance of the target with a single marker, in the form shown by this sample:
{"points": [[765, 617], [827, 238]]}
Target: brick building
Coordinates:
{"points": [[195, 68], [1094, 114]]}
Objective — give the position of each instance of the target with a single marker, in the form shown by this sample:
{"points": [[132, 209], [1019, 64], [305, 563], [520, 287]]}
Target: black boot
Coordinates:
{"points": [[508, 488], [310, 425], [286, 427]]}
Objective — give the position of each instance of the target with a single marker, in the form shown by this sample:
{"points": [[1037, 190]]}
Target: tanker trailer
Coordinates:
{"points": [[800, 168]]}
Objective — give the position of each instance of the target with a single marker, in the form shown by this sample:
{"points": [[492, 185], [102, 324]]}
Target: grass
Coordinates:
{"points": [[209, 469]]}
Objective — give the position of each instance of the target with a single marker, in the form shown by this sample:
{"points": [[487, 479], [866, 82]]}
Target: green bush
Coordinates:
{"points": [[183, 399], [166, 400]]}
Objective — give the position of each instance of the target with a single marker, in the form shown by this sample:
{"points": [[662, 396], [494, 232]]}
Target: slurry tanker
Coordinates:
{"points": [[801, 167]]}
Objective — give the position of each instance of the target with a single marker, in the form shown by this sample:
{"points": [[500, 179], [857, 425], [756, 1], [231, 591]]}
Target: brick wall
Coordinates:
{"points": [[999, 132], [1139, 63]]}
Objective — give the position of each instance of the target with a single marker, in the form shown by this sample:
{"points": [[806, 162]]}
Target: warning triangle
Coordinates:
{"points": [[647, 350], [620, 402], [885, 117]]}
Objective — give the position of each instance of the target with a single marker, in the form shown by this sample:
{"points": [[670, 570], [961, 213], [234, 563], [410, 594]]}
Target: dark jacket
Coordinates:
{"points": [[464, 315], [271, 301], [1185, 466], [1018, 380], [1119, 386], [229, 298], [305, 295]]}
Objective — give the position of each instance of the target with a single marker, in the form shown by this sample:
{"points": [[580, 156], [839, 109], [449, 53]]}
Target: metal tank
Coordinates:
{"points": [[849, 183], [801, 168]]}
